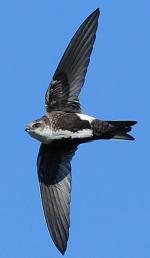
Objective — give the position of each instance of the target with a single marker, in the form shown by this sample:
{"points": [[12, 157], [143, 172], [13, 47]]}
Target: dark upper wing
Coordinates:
{"points": [[64, 89], [54, 172]]}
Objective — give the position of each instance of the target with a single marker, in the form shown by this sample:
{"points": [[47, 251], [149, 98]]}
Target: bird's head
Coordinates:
{"points": [[39, 129]]}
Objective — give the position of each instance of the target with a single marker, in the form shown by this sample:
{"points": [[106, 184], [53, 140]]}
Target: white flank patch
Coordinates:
{"points": [[47, 136], [59, 134], [85, 117]]}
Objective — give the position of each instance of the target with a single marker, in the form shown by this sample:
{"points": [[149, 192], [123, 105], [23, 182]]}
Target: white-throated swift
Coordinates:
{"points": [[64, 127]]}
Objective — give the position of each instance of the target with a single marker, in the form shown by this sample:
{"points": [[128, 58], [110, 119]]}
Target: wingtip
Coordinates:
{"points": [[97, 12], [62, 251]]}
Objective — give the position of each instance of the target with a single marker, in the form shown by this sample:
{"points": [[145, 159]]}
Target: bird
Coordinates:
{"points": [[64, 127]]}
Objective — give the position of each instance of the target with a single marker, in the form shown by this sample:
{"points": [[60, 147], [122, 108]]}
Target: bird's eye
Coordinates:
{"points": [[36, 125]]}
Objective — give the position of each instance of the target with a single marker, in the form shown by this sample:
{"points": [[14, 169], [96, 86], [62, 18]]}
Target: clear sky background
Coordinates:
{"points": [[110, 208]]}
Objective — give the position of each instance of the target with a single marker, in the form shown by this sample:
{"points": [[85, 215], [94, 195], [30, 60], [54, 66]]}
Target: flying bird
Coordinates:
{"points": [[64, 127]]}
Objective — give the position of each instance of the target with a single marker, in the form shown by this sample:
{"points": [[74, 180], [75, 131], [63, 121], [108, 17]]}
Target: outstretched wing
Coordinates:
{"points": [[54, 172], [64, 89]]}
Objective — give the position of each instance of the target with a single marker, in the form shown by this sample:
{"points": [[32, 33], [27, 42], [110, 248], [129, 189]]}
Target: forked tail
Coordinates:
{"points": [[112, 129]]}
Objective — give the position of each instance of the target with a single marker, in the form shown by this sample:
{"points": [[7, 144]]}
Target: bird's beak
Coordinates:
{"points": [[27, 129]]}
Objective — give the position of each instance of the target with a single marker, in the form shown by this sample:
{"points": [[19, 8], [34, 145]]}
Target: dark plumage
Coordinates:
{"points": [[54, 171], [64, 127], [69, 77]]}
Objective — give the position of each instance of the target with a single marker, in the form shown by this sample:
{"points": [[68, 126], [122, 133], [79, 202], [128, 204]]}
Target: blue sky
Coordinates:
{"points": [[110, 209]]}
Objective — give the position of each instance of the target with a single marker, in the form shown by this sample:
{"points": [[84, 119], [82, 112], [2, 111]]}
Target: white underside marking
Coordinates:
{"points": [[43, 136], [47, 136], [59, 134], [85, 117]]}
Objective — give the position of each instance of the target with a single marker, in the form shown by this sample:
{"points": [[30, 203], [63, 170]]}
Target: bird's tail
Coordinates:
{"points": [[112, 129]]}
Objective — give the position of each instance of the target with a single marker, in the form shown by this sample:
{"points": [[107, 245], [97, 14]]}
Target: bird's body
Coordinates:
{"points": [[64, 127], [59, 125]]}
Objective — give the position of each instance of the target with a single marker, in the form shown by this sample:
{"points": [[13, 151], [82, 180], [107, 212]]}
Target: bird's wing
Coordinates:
{"points": [[64, 89], [54, 172]]}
